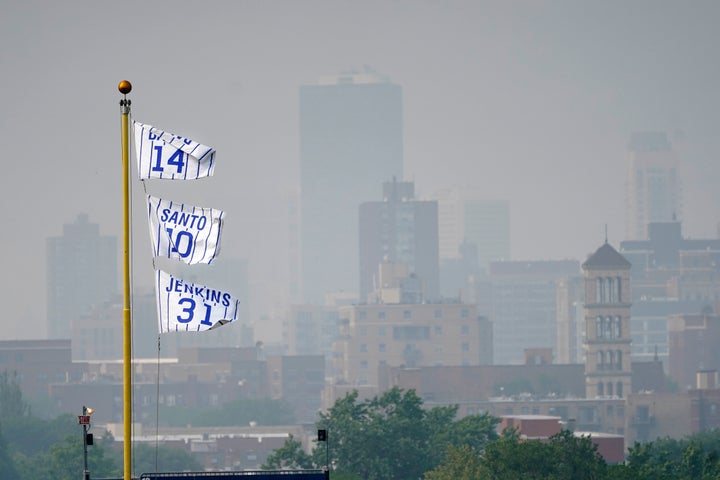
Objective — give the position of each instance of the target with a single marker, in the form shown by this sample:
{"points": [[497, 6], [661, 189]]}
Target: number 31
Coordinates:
{"points": [[189, 305]]}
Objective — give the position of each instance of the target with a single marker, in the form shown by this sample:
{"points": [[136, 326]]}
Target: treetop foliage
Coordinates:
{"points": [[390, 436]]}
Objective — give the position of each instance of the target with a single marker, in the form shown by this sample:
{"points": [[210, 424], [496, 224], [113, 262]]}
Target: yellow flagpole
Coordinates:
{"points": [[125, 87]]}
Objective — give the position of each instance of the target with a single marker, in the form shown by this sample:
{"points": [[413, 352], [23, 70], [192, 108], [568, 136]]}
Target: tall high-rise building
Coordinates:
{"points": [[570, 320], [653, 188], [399, 229], [81, 273], [608, 369], [524, 298], [351, 140], [467, 216]]}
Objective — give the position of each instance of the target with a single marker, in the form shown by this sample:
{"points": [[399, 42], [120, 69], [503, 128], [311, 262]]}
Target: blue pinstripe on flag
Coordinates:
{"points": [[184, 232], [165, 155], [191, 307]]}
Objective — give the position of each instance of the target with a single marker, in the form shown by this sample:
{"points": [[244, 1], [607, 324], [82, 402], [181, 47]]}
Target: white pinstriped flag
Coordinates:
{"points": [[190, 307], [165, 155], [184, 232]]}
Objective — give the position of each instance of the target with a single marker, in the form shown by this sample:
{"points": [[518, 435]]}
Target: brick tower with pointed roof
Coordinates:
{"points": [[608, 371]]}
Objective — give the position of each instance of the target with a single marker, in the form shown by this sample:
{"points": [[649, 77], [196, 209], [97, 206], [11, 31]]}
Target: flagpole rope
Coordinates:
{"points": [[157, 406], [132, 289], [145, 191], [157, 374]]}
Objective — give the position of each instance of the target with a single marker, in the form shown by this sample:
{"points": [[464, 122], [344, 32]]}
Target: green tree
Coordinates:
{"points": [[563, 457], [29, 434], [475, 431], [64, 461], [578, 457], [694, 457], [393, 436], [509, 458], [12, 403], [33, 467], [7, 464], [384, 437], [290, 456], [461, 463], [33, 435]]}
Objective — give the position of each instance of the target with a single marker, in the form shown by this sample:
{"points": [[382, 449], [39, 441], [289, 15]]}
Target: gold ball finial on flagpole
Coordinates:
{"points": [[124, 86]]}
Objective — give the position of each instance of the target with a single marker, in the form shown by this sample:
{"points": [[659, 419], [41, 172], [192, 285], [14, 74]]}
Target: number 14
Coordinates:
{"points": [[177, 159]]}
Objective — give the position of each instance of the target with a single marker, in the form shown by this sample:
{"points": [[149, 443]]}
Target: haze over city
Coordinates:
{"points": [[532, 102]]}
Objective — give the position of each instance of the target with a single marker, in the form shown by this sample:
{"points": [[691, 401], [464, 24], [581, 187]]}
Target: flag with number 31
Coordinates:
{"points": [[164, 155]]}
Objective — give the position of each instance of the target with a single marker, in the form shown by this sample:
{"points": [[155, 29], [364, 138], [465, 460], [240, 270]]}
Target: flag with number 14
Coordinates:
{"points": [[164, 155]]}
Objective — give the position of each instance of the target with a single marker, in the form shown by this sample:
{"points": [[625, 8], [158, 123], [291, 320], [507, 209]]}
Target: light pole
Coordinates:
{"points": [[323, 437], [84, 420]]}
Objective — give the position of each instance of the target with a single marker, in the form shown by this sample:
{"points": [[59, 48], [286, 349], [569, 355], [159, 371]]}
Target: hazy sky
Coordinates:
{"points": [[532, 101]]}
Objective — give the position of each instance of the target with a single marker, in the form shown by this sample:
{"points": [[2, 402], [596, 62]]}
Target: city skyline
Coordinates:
{"points": [[531, 102]]}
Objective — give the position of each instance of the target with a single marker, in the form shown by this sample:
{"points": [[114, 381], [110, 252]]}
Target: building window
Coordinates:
{"points": [[362, 331], [610, 389], [363, 348], [601, 389], [465, 330], [438, 329], [364, 364], [599, 289], [381, 315], [382, 348], [464, 313], [599, 327], [618, 360], [381, 331], [618, 286], [617, 327], [411, 332], [362, 314], [407, 314], [607, 326], [438, 313], [619, 389], [611, 290], [465, 347], [601, 360]]}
